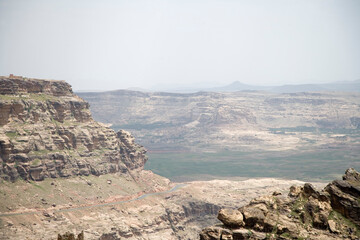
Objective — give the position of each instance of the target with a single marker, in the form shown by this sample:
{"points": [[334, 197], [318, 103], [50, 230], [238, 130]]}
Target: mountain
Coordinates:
{"points": [[346, 86], [300, 88], [238, 86]]}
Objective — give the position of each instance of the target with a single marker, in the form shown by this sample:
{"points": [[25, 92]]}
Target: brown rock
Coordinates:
{"points": [[309, 190], [37, 173], [351, 175], [276, 193], [231, 218], [252, 216], [211, 233], [295, 191], [71, 236], [332, 226], [109, 236]]}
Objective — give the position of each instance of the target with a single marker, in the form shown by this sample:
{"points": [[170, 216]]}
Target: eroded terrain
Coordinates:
{"points": [[208, 135], [237, 121], [62, 171], [109, 206]]}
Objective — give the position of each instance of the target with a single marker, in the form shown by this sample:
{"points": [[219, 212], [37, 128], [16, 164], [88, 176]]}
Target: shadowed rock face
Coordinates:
{"points": [[47, 131], [345, 195], [333, 213], [71, 236]]}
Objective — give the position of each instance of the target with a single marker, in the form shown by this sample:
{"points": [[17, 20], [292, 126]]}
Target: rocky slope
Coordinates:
{"points": [[48, 132], [239, 120], [95, 206], [333, 213]]}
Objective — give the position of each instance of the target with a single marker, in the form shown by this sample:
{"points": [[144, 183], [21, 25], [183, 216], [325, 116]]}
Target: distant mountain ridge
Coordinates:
{"points": [[341, 86]]}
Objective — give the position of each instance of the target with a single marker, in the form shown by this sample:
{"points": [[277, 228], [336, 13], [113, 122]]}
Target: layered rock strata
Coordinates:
{"points": [[47, 131], [238, 120], [333, 213]]}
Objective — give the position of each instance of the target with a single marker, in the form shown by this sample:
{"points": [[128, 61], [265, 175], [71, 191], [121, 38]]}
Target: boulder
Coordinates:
{"points": [[253, 216], [231, 218]]}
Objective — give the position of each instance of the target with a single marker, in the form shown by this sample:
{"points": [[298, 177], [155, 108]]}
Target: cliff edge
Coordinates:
{"points": [[46, 131]]}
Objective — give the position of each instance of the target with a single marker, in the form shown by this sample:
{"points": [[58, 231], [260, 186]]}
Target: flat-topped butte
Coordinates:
{"points": [[47, 131]]}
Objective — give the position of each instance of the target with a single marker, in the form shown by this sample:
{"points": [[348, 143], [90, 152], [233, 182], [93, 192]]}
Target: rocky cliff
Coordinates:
{"points": [[333, 213], [46, 131]]}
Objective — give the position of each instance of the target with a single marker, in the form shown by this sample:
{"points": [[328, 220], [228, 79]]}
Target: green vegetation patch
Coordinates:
{"points": [[11, 135], [343, 221], [37, 186], [36, 162], [142, 126], [304, 129], [320, 165], [28, 96], [41, 97]]}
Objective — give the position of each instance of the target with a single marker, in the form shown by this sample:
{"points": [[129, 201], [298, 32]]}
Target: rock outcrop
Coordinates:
{"points": [[47, 131], [306, 213], [71, 236], [345, 195]]}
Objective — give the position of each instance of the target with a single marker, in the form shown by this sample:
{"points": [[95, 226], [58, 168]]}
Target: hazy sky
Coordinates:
{"points": [[112, 44]]}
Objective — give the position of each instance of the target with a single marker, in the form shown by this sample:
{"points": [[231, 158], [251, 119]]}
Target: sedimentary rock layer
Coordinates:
{"points": [[47, 131]]}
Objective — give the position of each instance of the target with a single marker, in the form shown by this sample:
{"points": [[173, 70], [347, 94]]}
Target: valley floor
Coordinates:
{"points": [[322, 164]]}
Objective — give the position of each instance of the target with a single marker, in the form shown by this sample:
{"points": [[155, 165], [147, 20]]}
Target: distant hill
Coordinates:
{"points": [[341, 86], [238, 86]]}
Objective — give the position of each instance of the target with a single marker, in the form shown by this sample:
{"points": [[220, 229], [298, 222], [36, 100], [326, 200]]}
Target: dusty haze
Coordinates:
{"points": [[103, 45]]}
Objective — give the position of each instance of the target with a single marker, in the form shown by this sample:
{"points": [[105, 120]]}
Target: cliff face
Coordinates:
{"points": [[47, 131], [333, 213]]}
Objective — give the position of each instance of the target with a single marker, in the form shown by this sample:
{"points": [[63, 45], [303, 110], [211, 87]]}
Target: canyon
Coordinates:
{"points": [[208, 135], [231, 120], [61, 171]]}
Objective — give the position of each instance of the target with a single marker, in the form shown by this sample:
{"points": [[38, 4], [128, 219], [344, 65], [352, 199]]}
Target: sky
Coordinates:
{"points": [[117, 44]]}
